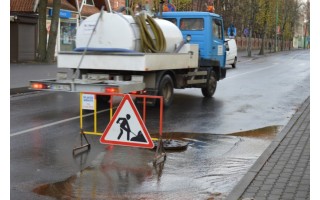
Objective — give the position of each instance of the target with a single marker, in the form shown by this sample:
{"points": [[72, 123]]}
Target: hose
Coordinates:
{"points": [[148, 44]]}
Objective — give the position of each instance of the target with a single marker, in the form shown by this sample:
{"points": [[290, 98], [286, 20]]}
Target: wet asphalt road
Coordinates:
{"points": [[259, 93]]}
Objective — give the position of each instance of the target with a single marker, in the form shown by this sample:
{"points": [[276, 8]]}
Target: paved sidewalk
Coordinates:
{"points": [[283, 170]]}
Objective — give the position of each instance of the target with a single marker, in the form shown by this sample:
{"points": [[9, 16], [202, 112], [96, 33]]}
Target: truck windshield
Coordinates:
{"points": [[191, 24], [173, 20]]}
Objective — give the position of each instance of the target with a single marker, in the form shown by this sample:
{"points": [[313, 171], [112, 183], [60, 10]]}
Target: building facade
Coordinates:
{"points": [[24, 20], [23, 24]]}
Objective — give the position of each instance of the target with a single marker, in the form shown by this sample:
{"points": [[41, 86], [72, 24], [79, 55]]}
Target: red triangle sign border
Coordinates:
{"points": [[148, 144]]}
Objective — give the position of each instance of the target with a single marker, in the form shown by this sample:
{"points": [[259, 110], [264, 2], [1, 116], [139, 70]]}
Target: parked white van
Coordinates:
{"points": [[232, 52]]}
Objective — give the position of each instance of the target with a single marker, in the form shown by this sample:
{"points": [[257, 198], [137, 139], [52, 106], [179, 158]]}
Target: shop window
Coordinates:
{"points": [[67, 35]]}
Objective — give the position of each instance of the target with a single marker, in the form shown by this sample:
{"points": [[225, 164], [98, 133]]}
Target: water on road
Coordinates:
{"points": [[208, 169]]}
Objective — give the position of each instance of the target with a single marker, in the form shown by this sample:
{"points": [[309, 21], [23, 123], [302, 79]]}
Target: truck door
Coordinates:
{"points": [[218, 48]]}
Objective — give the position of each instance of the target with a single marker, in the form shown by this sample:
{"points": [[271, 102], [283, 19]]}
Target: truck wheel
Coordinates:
{"points": [[234, 64], [211, 86], [166, 90]]}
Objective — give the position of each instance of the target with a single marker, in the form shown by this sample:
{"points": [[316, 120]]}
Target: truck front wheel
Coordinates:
{"points": [[211, 85], [166, 90]]}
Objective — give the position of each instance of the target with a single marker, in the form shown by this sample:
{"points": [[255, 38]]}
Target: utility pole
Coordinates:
{"points": [[276, 49]]}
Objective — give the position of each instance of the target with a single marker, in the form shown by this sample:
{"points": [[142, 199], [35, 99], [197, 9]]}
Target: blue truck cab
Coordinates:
{"points": [[206, 29]]}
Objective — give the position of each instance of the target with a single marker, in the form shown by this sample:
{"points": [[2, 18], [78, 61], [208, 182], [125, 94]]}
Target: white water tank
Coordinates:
{"points": [[118, 32]]}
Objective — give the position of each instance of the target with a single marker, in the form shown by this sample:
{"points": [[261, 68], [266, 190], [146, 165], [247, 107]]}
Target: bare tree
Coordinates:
{"points": [[254, 9], [46, 50], [183, 5], [53, 31], [42, 48], [200, 5], [264, 15]]}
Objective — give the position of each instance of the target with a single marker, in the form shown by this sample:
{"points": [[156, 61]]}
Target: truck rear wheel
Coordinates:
{"points": [[211, 85], [166, 90]]}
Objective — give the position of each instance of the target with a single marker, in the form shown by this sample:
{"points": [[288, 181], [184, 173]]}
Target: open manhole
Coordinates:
{"points": [[172, 145]]}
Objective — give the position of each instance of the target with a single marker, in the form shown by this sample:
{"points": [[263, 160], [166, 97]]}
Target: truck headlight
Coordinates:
{"points": [[188, 38]]}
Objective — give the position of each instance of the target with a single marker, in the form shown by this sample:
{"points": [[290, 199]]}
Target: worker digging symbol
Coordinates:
{"points": [[124, 126]]}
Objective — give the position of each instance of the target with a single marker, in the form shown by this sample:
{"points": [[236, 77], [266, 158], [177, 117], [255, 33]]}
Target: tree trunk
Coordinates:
{"points": [[282, 43], [265, 27], [263, 37], [249, 43], [53, 31], [42, 48], [261, 52]]}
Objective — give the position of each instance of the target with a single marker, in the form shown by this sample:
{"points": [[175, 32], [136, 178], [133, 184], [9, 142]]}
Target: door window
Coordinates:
{"points": [[217, 28]]}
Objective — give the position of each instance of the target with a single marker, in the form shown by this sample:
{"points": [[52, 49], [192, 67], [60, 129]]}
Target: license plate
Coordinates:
{"points": [[60, 87]]}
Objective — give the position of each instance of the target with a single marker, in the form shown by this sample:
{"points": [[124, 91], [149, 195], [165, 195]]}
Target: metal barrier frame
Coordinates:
{"points": [[160, 152], [145, 97]]}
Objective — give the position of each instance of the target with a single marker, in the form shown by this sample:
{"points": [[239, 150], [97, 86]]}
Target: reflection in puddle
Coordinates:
{"points": [[59, 190], [268, 132], [209, 169]]}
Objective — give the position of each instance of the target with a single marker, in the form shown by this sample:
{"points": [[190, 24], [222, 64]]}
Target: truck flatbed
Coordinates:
{"points": [[131, 61]]}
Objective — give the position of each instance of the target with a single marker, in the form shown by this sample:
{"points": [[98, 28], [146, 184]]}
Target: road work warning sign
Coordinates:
{"points": [[126, 127]]}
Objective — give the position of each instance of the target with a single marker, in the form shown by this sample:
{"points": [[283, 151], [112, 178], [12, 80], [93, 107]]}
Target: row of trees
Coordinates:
{"points": [[261, 17]]}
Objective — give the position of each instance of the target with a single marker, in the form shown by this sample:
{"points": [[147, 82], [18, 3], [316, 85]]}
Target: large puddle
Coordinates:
{"points": [[210, 167]]}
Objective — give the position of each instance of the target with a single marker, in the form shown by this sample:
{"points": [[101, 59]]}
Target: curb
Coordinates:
{"points": [[240, 188], [22, 91], [19, 90]]}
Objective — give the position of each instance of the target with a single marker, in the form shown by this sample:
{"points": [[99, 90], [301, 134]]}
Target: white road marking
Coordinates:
{"points": [[257, 70], [53, 124]]}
